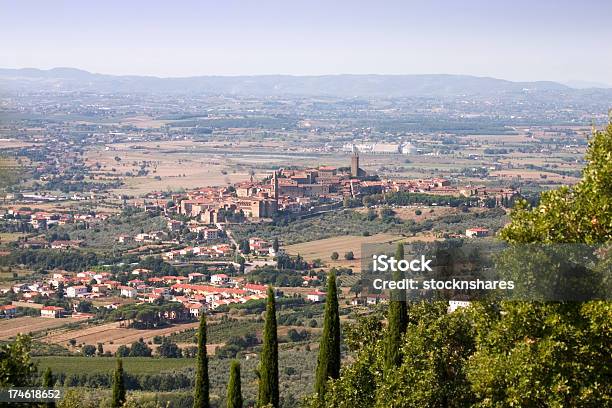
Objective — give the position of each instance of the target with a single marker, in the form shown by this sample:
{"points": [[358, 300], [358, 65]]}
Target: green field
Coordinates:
{"points": [[10, 236], [132, 365]]}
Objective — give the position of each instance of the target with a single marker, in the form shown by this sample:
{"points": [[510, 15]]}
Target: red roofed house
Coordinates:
{"points": [[8, 311], [195, 309], [316, 296], [52, 311], [219, 279], [251, 287]]}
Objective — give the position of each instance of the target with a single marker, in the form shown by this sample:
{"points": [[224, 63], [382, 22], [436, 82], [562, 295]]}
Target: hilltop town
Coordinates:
{"points": [[124, 221]]}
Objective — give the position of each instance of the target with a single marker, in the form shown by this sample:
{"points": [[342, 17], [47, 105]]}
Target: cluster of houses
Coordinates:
{"points": [[191, 290], [44, 220], [205, 233], [206, 252]]}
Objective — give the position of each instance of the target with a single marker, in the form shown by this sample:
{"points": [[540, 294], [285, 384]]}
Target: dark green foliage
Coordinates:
{"points": [[118, 386], [236, 344], [122, 351], [234, 392], [201, 397], [397, 319], [328, 363], [169, 350], [88, 350], [275, 245], [268, 367], [48, 382], [285, 261], [140, 349], [271, 275], [244, 247]]}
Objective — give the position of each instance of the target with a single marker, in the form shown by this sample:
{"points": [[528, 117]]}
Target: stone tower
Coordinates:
{"points": [[275, 185], [355, 164]]}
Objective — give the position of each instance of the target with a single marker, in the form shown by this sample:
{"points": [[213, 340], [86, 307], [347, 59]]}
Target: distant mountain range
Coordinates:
{"points": [[71, 79]]}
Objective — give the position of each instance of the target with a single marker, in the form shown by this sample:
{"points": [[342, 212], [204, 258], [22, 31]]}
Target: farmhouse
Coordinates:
{"points": [[52, 312], [195, 309], [316, 296]]}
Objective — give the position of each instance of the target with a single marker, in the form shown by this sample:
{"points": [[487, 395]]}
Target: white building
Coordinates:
{"points": [[51, 311], [316, 296], [219, 279], [76, 291], [456, 304], [476, 232], [128, 291]]}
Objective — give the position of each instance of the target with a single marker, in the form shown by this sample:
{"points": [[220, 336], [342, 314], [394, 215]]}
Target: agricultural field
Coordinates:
{"points": [[135, 365], [296, 373], [10, 274], [322, 249], [112, 335], [10, 328], [6, 237]]}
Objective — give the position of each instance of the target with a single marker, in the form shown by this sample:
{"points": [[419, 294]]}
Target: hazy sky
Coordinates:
{"points": [[517, 40]]}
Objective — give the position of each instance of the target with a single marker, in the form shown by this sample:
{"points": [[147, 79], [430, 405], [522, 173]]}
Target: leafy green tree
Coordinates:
{"points": [[560, 346], [48, 382], [578, 214], [234, 392], [16, 366], [88, 350], [436, 351], [268, 367], [244, 246], [140, 349], [334, 256], [201, 397], [122, 351], [328, 362], [397, 318], [551, 354], [169, 349], [118, 397]]}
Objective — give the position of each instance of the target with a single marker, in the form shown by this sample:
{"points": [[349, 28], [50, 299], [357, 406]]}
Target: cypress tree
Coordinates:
{"points": [[275, 245], [118, 386], [201, 396], [268, 366], [328, 363], [234, 392], [397, 319], [48, 382]]}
